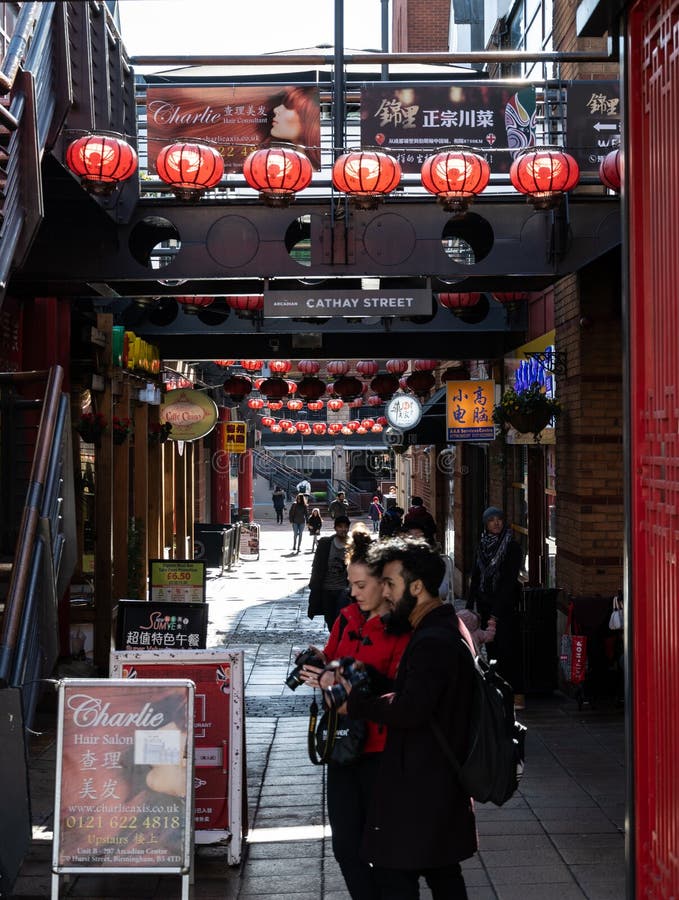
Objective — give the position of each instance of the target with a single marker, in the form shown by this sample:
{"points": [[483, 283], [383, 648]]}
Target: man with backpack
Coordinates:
{"points": [[421, 822]]}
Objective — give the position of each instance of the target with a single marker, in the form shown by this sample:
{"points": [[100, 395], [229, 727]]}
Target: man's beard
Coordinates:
{"points": [[397, 620]]}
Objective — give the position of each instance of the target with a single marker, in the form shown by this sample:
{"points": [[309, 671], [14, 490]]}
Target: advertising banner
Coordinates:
{"points": [[178, 580], [168, 625], [593, 128], [219, 733], [124, 783], [234, 119], [469, 410], [414, 122]]}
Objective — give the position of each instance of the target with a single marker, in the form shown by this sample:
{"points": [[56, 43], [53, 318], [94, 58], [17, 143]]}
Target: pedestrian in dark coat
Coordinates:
{"points": [[328, 585], [421, 823]]}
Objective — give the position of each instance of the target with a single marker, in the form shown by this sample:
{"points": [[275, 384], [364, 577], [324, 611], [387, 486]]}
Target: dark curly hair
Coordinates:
{"points": [[418, 558], [358, 544]]}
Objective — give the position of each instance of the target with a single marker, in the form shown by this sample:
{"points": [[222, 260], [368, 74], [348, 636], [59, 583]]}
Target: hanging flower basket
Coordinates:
{"points": [[529, 411], [90, 427], [121, 430]]}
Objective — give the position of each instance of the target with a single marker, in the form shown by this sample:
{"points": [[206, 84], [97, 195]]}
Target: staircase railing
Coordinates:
{"points": [[353, 495], [277, 472], [42, 565]]}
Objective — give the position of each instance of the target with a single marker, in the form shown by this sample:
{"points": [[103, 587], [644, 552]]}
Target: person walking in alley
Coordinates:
{"points": [[315, 524], [298, 515], [328, 583], [359, 632], [419, 517], [278, 500], [339, 506], [376, 511], [420, 821], [494, 592]]}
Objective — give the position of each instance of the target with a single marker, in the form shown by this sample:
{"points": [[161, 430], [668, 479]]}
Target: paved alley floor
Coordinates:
{"points": [[561, 835]]}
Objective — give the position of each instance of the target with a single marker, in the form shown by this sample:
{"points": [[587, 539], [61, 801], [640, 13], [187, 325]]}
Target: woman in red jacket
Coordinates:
{"points": [[359, 632]]}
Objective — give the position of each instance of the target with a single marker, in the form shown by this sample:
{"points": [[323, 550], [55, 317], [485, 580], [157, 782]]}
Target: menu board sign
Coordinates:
{"points": [[124, 785], [218, 731], [179, 580], [166, 625]]}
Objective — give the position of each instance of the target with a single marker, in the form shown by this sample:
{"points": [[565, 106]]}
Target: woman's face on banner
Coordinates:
{"points": [[286, 125]]}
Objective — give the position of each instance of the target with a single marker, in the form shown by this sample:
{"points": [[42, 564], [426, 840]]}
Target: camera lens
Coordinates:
{"points": [[336, 695], [293, 680]]}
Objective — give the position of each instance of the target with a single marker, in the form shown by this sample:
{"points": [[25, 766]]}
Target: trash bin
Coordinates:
{"points": [[538, 640], [245, 514], [207, 543]]}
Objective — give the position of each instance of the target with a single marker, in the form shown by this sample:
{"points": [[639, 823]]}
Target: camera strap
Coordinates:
{"points": [[320, 750]]}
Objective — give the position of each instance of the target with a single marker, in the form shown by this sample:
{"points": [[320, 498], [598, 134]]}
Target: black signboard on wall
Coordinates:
{"points": [[167, 625], [593, 122]]}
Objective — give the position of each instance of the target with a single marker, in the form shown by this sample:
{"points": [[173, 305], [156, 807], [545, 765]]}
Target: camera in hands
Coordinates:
{"points": [[308, 657], [354, 672]]}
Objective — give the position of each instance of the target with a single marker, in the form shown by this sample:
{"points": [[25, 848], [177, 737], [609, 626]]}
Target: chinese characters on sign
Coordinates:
{"points": [[414, 122], [124, 775], [178, 580], [234, 120], [469, 410], [235, 434], [169, 625], [593, 122]]}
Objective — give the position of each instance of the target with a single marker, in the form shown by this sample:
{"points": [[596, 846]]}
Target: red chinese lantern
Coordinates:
{"points": [[285, 424], [377, 428], [424, 365], [346, 430], [319, 428], [456, 177], [252, 365], [367, 423], [356, 404], [190, 168], [246, 302], [292, 386], [315, 405], [275, 405], [295, 405], [277, 173], [237, 387], [420, 382], [101, 162], [279, 366], [367, 367], [276, 428], [396, 366], [353, 424], [385, 386], [511, 299], [291, 430], [335, 428], [610, 170], [366, 176], [225, 363], [374, 400], [458, 303], [381, 420], [337, 367], [347, 387], [274, 388], [304, 428], [309, 366], [193, 304], [256, 403], [335, 405], [258, 383], [267, 421], [361, 430], [544, 175], [311, 388]]}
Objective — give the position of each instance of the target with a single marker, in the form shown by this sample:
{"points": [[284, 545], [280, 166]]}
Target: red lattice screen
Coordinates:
{"points": [[652, 176]]}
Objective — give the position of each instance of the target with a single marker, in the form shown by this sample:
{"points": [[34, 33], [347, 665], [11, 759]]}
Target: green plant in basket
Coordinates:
{"points": [[526, 411]]}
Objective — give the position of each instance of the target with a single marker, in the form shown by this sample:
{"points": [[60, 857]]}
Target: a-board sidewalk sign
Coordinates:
{"points": [[219, 734], [181, 580], [124, 780], [249, 541], [160, 625]]}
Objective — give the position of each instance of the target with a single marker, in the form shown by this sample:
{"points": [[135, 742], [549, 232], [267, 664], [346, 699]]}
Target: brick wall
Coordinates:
{"points": [[419, 26]]}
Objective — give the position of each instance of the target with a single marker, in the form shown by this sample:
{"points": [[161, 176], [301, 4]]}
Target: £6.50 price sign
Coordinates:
{"points": [[182, 580], [124, 785]]}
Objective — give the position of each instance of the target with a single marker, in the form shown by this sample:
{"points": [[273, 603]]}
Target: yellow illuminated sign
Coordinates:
{"points": [[469, 410]]}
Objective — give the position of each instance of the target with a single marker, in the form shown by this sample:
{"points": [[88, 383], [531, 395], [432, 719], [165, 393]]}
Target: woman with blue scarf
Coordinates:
{"points": [[494, 591]]}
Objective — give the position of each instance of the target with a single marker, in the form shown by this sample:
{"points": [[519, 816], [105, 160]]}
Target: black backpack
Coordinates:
{"points": [[495, 755]]}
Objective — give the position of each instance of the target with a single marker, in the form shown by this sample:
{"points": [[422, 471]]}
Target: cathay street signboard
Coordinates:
{"points": [[347, 304]]}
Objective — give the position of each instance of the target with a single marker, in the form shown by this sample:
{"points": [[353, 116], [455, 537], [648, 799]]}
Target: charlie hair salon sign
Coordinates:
{"points": [[282, 304]]}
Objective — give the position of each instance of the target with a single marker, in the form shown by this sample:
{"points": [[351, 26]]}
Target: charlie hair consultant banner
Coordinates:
{"points": [[124, 784], [414, 122], [234, 119]]}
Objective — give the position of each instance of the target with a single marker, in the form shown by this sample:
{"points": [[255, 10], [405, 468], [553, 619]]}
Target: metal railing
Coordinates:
{"points": [[277, 472]]}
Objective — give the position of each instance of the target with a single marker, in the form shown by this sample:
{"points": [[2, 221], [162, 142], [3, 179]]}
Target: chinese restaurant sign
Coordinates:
{"points": [[180, 580], [235, 436], [412, 123], [469, 410], [219, 734], [593, 122], [191, 413], [235, 120], [284, 304], [168, 625], [124, 784]]}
